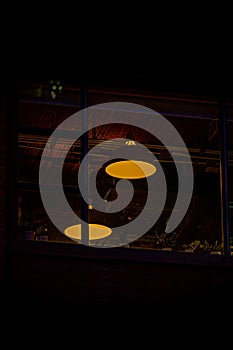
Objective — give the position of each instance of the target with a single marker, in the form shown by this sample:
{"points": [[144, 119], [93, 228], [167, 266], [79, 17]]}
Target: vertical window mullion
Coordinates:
{"points": [[225, 227]]}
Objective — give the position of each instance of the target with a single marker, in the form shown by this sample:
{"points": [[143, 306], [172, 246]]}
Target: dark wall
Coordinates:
{"points": [[3, 176], [45, 283]]}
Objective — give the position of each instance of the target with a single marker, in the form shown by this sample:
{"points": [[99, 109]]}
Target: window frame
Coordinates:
{"points": [[51, 248]]}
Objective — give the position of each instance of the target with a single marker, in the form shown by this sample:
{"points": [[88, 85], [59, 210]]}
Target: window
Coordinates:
{"points": [[42, 107]]}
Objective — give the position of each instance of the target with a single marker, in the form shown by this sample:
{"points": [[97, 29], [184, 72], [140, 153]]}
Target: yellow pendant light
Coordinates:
{"points": [[96, 231], [130, 169]]}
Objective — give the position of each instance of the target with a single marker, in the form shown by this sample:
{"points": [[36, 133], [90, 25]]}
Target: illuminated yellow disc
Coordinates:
{"points": [[130, 169], [95, 231]]}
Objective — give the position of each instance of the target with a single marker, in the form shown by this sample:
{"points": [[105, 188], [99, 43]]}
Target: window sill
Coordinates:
{"points": [[46, 248]]}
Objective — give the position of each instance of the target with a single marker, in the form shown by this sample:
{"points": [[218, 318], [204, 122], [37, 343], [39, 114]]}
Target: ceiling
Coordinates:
{"points": [[194, 117]]}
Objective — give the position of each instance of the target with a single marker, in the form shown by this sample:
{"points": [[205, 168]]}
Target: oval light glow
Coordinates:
{"points": [[130, 169], [96, 231]]}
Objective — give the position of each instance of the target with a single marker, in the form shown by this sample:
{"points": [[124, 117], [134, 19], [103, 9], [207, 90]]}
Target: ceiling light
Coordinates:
{"points": [[131, 163], [96, 231], [130, 169]]}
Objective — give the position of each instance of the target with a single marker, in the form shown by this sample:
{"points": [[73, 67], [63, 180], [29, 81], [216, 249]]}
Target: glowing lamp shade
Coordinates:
{"points": [[130, 169], [96, 231]]}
